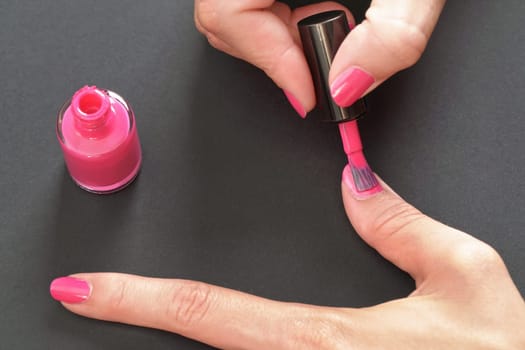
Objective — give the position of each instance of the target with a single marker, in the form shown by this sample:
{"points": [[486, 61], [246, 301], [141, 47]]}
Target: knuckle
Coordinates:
{"points": [[273, 65], [198, 24], [410, 44], [189, 303], [475, 257], [215, 42], [405, 41], [118, 296], [207, 16]]}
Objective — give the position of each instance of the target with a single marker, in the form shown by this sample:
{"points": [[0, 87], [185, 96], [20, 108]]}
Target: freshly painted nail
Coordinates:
{"points": [[350, 85], [295, 104], [69, 290], [355, 180]]}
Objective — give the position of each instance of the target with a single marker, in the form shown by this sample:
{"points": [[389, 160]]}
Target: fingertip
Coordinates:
{"points": [[296, 104], [350, 188], [291, 73], [70, 290], [389, 40], [350, 86]]}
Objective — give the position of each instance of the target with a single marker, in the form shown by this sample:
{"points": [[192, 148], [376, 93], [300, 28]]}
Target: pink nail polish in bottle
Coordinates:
{"points": [[98, 135]]}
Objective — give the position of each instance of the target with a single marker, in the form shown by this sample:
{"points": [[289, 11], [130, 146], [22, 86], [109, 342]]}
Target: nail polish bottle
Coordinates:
{"points": [[321, 35], [97, 132]]}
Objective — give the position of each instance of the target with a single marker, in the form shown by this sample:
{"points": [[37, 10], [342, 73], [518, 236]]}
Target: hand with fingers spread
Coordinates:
{"points": [[392, 37], [464, 297]]}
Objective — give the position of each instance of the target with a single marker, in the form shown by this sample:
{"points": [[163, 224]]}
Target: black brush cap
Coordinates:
{"points": [[321, 35]]}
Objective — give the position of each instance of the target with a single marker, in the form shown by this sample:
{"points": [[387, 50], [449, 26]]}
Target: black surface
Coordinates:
{"points": [[236, 189]]}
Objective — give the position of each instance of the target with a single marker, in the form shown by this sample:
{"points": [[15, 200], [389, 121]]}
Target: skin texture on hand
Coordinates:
{"points": [[392, 37], [464, 296]]}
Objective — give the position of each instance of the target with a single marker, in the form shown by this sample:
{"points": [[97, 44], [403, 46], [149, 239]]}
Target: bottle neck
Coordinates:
{"points": [[91, 108]]}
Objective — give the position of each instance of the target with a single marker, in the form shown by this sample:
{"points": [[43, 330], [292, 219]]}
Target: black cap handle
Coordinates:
{"points": [[321, 35]]}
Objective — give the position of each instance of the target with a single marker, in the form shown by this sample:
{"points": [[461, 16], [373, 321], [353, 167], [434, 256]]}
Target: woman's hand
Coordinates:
{"points": [[264, 33], [464, 297]]}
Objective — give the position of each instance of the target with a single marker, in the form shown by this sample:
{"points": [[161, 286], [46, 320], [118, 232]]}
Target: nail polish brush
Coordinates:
{"points": [[321, 36]]}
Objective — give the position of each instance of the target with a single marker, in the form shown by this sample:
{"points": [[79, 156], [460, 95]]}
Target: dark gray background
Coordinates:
{"points": [[236, 189]]}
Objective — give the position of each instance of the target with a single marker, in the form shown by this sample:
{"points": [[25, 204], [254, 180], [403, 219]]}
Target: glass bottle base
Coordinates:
{"points": [[114, 187]]}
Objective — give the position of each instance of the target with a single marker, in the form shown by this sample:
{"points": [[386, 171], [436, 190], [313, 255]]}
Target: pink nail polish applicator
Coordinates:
{"points": [[321, 36], [98, 135]]}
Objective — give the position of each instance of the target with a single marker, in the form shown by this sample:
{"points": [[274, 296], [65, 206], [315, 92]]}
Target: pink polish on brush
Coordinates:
{"points": [[363, 182], [98, 135], [321, 35]]}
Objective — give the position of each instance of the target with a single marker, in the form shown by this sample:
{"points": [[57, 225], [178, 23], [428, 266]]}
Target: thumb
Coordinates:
{"points": [[416, 243], [391, 38]]}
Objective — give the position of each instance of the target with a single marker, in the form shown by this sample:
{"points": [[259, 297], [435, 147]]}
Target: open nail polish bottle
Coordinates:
{"points": [[98, 135]]}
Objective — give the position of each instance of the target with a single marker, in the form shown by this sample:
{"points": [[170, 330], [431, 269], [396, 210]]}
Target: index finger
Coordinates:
{"points": [[213, 315]]}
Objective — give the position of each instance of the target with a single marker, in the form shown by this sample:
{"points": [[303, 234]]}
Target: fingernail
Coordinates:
{"points": [[69, 290], [354, 181], [295, 104], [350, 85]]}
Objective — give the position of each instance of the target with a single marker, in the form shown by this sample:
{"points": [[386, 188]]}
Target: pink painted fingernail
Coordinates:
{"points": [[69, 290], [295, 104], [350, 86]]}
